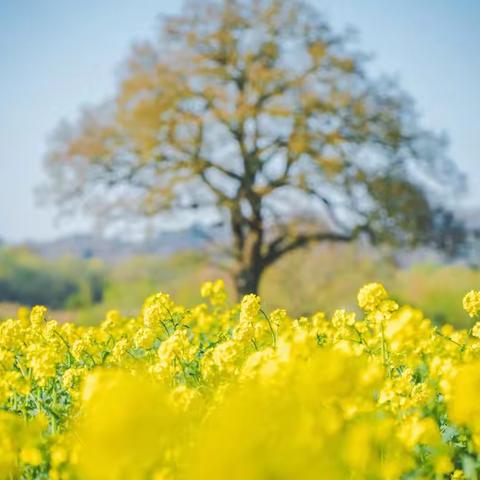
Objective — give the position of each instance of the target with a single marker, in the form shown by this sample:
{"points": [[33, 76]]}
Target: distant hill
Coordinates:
{"points": [[112, 249]]}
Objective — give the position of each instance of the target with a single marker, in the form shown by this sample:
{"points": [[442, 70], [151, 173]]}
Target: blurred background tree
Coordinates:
{"points": [[255, 115]]}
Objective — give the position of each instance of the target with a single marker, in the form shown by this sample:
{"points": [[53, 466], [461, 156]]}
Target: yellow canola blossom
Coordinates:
{"points": [[223, 391], [371, 296], [471, 303]]}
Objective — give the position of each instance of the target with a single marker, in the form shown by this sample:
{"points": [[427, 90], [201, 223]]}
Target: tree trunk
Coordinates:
{"points": [[247, 280], [248, 242], [250, 264]]}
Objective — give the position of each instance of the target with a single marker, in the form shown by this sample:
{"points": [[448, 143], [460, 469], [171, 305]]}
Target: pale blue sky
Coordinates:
{"points": [[57, 55]]}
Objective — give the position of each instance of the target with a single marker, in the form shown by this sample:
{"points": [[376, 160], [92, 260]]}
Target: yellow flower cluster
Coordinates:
{"points": [[471, 303], [221, 391]]}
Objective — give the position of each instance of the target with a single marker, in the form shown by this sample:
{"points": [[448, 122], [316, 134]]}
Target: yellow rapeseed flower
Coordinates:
{"points": [[471, 303], [229, 391]]}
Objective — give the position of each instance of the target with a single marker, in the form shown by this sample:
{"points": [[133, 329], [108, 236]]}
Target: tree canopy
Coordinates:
{"points": [[256, 113]]}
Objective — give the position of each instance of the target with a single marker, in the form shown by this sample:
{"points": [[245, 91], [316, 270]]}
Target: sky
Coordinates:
{"points": [[57, 56]]}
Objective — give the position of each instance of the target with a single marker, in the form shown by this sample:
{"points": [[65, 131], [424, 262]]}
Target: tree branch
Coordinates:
{"points": [[281, 246]]}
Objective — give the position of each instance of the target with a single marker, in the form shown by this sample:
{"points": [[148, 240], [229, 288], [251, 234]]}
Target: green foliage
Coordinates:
{"points": [[135, 278], [323, 277], [327, 277], [436, 288], [28, 279]]}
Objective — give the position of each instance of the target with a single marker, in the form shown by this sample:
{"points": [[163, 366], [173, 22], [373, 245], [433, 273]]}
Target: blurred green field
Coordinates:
{"points": [[319, 278]]}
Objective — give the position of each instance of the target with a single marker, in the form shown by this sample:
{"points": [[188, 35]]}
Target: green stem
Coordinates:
{"points": [[384, 349], [274, 336]]}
